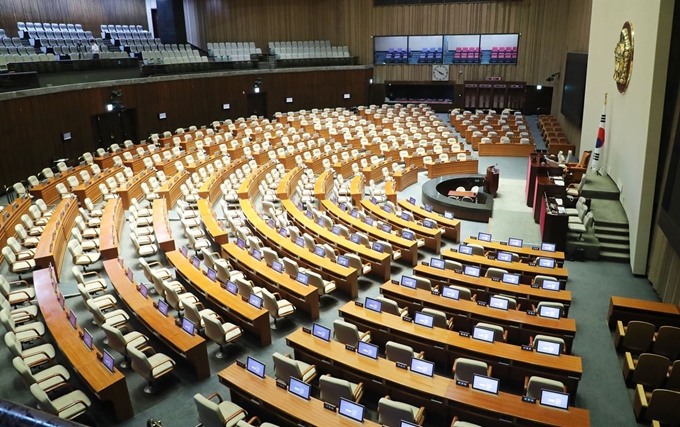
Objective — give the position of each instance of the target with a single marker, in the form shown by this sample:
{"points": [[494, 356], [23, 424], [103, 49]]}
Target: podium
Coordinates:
{"points": [[553, 223], [491, 180]]}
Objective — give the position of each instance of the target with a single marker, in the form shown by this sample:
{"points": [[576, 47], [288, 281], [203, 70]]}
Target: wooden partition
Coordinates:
{"points": [[52, 246], [112, 223], [10, 217]]}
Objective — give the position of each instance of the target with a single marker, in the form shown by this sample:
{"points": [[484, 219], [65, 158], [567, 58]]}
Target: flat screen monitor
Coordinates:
{"points": [[321, 222], [451, 293], [309, 214], [369, 221], [517, 243], [448, 215], [335, 230], [387, 228], [354, 213], [408, 282], [373, 304], [405, 216], [144, 290], [72, 319], [185, 251], [550, 312], [196, 262], [240, 243], [255, 301], [484, 237], [366, 349], [270, 223], [60, 299], [554, 399], [300, 242], [87, 339], [428, 208], [504, 256], [423, 319], [321, 332], [232, 288], [408, 234], [374, 200], [546, 262], [188, 326], [351, 410], [343, 261], [257, 254], [276, 266], [483, 334], [302, 278], [428, 223], [471, 271], [406, 424], [319, 251], [354, 238], [212, 274], [255, 367], [548, 347], [129, 275], [299, 206], [108, 361], [551, 285], [486, 384], [422, 367], [511, 279], [437, 263], [412, 200], [548, 247], [465, 249], [378, 247], [283, 232], [163, 307], [499, 303], [387, 208], [299, 388]]}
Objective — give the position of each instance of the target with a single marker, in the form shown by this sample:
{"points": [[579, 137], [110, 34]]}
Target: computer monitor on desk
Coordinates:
{"points": [[554, 399], [483, 334], [517, 243], [499, 303], [367, 349], [451, 293], [465, 249], [484, 237], [373, 305], [299, 388], [471, 271], [551, 285], [422, 367], [547, 347], [546, 262], [255, 367], [548, 247], [424, 319], [351, 410], [408, 282], [511, 279], [485, 384], [321, 332]]}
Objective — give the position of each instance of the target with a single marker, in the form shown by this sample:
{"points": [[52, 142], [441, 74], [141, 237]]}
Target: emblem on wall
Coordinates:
{"points": [[623, 57]]}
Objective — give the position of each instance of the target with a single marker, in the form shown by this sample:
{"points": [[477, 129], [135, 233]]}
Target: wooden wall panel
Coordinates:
{"points": [[32, 127], [90, 14]]}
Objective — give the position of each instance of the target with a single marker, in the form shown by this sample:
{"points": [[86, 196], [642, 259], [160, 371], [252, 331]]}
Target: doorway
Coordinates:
{"points": [[257, 104], [115, 127]]}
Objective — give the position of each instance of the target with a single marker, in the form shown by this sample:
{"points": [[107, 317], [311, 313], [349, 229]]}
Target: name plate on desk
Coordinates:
{"points": [[531, 312], [454, 250], [536, 248], [394, 282], [329, 407], [464, 334], [240, 364], [533, 285], [358, 304], [435, 293], [350, 348], [490, 257], [458, 271], [528, 399], [426, 264], [407, 319], [462, 383], [481, 303], [281, 384], [527, 348], [504, 243], [306, 330], [495, 279], [532, 264], [402, 365]]}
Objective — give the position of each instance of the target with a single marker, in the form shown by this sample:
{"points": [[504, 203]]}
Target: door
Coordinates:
{"points": [[114, 127], [257, 104]]}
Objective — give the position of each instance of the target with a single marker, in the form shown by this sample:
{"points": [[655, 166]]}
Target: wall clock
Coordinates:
{"points": [[440, 73], [623, 57]]}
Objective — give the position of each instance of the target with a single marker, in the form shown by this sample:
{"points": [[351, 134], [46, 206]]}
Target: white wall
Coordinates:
{"points": [[633, 118], [150, 4]]}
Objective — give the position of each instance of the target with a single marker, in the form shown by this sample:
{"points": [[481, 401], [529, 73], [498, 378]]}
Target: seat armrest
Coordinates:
{"points": [[640, 403], [488, 371], [420, 416], [367, 333], [526, 384], [619, 334], [219, 398], [358, 392], [628, 367]]}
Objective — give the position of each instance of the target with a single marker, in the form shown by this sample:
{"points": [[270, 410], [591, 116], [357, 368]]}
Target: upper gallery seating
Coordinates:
{"points": [[228, 52], [307, 49], [37, 33], [431, 55], [396, 56], [500, 54], [466, 54], [114, 32]]}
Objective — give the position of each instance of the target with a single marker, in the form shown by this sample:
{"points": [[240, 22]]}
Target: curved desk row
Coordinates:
{"points": [[215, 229], [54, 239], [527, 252], [112, 222], [438, 168], [11, 216], [47, 189], [90, 189], [451, 227], [161, 226]]}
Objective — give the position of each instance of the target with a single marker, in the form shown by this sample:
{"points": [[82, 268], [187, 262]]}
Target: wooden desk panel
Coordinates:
{"points": [[323, 185], [375, 172], [506, 150], [249, 187], [48, 190], [161, 226], [133, 188], [10, 217], [245, 389], [54, 239], [107, 386], [356, 189], [443, 346], [405, 178], [519, 324], [451, 227], [106, 161], [435, 170], [111, 226], [434, 393], [218, 234], [344, 168], [523, 252], [229, 306], [211, 188], [171, 191], [168, 167], [289, 182], [627, 309], [193, 348], [91, 189], [306, 298], [528, 272]]}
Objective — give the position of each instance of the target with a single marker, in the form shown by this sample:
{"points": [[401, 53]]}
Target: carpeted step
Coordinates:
{"points": [[615, 247], [612, 238], [614, 256], [620, 231]]}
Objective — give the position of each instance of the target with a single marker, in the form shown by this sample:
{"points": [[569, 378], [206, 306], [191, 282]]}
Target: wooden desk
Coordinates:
{"points": [[106, 161], [451, 227], [47, 190], [256, 394], [346, 278], [527, 252], [380, 262], [249, 187], [344, 167], [440, 396], [111, 226], [374, 172], [451, 167], [443, 346], [10, 217], [527, 271], [106, 386], [218, 234], [192, 348], [553, 224], [168, 167], [210, 189], [323, 185], [627, 309], [91, 188], [229, 306], [54, 239], [171, 191], [356, 188], [432, 236], [485, 287], [466, 314], [535, 168], [161, 226], [506, 150], [306, 298], [408, 248], [546, 186], [289, 182], [454, 193], [405, 178]]}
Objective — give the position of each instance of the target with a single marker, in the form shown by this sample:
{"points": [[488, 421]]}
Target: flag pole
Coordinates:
{"points": [[600, 137]]}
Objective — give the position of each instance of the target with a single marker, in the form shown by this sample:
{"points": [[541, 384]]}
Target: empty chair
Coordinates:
{"points": [[221, 414], [497, 273], [81, 258], [648, 370], [115, 318], [150, 368], [476, 249], [457, 423], [499, 334], [348, 334], [33, 356], [246, 287], [539, 279], [220, 331], [673, 381], [464, 369], [92, 286], [391, 413], [21, 314], [397, 352], [278, 307], [332, 389], [26, 240], [48, 379], [440, 320], [667, 342], [324, 286], [19, 253], [16, 266], [534, 385], [24, 332], [660, 405], [120, 342], [391, 307], [16, 292], [636, 337], [286, 367], [67, 406]]}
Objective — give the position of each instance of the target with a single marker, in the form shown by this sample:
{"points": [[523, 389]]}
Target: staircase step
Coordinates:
{"points": [[611, 230], [614, 247], [612, 238], [614, 256], [603, 223]]}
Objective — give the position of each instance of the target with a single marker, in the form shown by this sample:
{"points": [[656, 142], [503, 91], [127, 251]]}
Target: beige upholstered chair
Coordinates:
{"points": [[347, 333], [464, 369], [397, 352], [119, 341], [391, 412], [150, 368], [278, 307], [221, 414], [220, 331], [286, 367], [67, 406], [332, 389]]}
